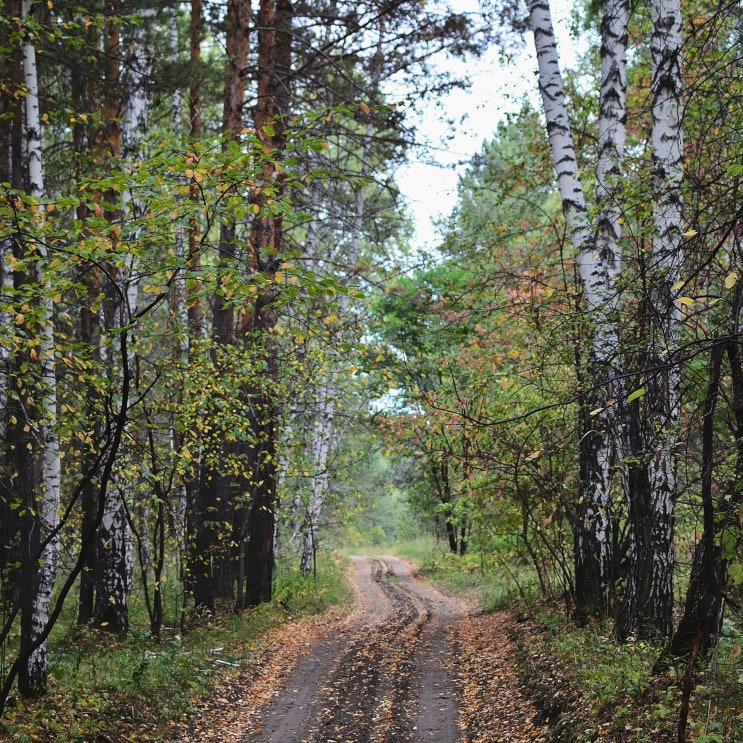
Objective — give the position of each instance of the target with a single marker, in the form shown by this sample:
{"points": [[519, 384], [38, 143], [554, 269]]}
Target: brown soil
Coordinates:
{"points": [[408, 664]]}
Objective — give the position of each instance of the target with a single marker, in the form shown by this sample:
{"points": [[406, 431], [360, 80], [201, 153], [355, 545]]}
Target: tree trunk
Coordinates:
{"points": [[113, 565], [704, 605], [39, 564], [214, 560], [319, 455], [607, 437], [649, 612], [272, 109], [324, 407], [10, 524]]}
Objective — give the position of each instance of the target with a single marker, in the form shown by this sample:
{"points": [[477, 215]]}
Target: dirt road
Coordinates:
{"points": [[383, 676], [407, 664]]}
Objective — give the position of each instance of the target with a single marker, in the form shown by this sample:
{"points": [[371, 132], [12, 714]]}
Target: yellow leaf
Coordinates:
{"points": [[677, 286], [596, 411], [688, 301], [534, 455], [279, 277], [730, 280], [690, 233]]}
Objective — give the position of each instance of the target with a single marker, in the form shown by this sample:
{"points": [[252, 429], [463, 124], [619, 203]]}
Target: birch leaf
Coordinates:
{"points": [[690, 233], [636, 394], [534, 455], [687, 301], [730, 280], [596, 411]]}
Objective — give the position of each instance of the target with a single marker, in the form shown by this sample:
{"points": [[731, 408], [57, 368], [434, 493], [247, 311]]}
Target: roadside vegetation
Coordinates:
{"points": [[108, 687], [587, 686]]}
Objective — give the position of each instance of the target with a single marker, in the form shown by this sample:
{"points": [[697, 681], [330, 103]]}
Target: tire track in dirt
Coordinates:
{"points": [[384, 676]]}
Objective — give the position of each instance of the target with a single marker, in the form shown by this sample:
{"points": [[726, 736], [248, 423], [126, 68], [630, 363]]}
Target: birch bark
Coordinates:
{"points": [[114, 553], [648, 605], [599, 263], [663, 377], [113, 562], [326, 394], [33, 675]]}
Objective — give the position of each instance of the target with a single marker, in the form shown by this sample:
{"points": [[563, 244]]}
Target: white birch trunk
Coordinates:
{"points": [[115, 560], [50, 460], [611, 138], [599, 262], [594, 555], [319, 457], [133, 132], [114, 554], [662, 399]]}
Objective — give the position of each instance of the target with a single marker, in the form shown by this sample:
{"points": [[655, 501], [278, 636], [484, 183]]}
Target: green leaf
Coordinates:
{"points": [[636, 394]]}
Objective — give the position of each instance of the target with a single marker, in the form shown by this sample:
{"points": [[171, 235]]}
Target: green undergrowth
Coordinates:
{"points": [[107, 687], [617, 694]]}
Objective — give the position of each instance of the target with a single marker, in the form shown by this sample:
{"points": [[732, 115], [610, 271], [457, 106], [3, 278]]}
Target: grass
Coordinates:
{"points": [[101, 684], [616, 687]]}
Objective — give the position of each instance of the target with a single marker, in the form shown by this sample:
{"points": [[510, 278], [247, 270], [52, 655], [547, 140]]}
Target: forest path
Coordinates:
{"points": [[383, 677], [407, 664]]}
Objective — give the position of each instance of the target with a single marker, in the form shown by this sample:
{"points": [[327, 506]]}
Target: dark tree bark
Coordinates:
{"points": [[272, 109], [701, 621], [212, 569]]}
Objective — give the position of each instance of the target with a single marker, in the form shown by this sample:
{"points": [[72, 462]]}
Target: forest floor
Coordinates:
{"points": [[407, 664]]}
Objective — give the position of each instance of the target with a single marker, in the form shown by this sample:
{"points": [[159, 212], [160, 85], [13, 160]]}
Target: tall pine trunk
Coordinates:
{"points": [[271, 121], [214, 555]]}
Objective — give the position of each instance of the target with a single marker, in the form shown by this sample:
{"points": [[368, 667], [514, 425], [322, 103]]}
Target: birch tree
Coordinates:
{"points": [[594, 559], [37, 417], [642, 438], [598, 262], [326, 394], [648, 604]]}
